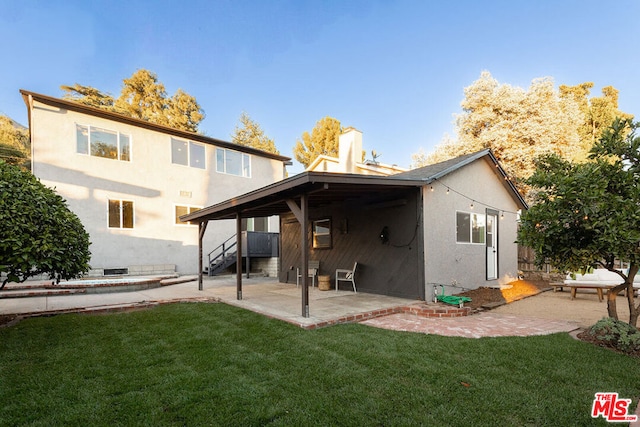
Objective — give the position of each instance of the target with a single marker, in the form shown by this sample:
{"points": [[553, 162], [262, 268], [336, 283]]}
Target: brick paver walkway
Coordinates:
{"points": [[474, 326]]}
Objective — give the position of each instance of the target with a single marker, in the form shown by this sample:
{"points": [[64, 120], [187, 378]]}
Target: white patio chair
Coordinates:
{"points": [[343, 275], [314, 268]]}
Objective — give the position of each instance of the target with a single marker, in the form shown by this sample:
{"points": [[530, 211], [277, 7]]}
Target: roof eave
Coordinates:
{"points": [[85, 109]]}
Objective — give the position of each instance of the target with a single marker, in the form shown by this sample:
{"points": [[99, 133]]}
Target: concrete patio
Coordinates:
{"points": [[259, 294], [284, 301]]}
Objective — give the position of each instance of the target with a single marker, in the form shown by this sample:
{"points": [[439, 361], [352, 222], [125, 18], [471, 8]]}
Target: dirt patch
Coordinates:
{"points": [[486, 298]]}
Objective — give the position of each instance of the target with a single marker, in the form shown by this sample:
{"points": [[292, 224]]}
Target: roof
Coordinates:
{"points": [[324, 188], [110, 115], [436, 171]]}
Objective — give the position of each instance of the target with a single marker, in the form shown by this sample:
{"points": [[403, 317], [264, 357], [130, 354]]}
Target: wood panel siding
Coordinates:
{"points": [[392, 268]]}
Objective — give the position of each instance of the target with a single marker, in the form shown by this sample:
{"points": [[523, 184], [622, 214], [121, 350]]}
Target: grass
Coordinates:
{"points": [[212, 364]]}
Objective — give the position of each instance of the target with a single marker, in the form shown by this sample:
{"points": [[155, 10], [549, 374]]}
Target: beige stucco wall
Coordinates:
{"points": [[150, 180], [463, 264]]}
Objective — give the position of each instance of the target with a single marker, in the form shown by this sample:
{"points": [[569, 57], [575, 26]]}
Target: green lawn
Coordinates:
{"points": [[212, 364]]}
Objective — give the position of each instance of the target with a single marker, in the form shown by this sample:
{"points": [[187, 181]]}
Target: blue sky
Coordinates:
{"points": [[395, 70]]}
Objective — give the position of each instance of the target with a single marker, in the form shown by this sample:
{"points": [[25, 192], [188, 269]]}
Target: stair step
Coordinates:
{"points": [[26, 293]]}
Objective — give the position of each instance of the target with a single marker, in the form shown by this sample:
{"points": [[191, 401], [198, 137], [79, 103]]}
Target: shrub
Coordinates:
{"points": [[39, 234], [615, 334]]}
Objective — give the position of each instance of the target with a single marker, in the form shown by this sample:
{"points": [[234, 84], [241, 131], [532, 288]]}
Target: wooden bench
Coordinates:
{"points": [[575, 286], [601, 279]]}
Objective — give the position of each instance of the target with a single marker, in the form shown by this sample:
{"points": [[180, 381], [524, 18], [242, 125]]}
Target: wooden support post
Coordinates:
{"points": [[304, 255], [202, 227], [239, 256]]}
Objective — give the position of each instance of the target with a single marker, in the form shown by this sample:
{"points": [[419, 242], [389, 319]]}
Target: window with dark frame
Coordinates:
{"points": [[322, 234]]}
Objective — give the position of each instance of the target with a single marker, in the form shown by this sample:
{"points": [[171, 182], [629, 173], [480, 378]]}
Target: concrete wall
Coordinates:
{"points": [[464, 264], [150, 180]]}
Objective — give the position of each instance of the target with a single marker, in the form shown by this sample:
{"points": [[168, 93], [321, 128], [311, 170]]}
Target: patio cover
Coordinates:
{"points": [[298, 195]]}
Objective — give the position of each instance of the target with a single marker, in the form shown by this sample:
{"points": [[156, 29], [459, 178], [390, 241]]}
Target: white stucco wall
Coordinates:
{"points": [[464, 264], [150, 180]]}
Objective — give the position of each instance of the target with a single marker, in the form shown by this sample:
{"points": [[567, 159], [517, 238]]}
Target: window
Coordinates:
{"points": [[188, 153], [184, 210], [233, 162], [255, 224], [322, 234], [105, 143], [120, 214], [470, 227]]}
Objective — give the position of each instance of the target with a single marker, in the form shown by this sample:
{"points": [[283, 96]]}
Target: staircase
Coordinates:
{"points": [[255, 244], [222, 257]]}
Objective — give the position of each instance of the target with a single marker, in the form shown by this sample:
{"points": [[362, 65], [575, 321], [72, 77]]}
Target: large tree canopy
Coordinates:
{"points": [[520, 125], [40, 235], [14, 142], [143, 97], [250, 134], [323, 139], [598, 112], [586, 214]]}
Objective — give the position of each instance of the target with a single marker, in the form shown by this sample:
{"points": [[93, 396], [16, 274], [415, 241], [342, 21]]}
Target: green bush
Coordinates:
{"points": [[39, 234], [616, 334]]}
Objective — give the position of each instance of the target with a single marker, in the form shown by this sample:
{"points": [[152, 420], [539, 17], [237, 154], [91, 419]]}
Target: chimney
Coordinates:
{"points": [[349, 149]]}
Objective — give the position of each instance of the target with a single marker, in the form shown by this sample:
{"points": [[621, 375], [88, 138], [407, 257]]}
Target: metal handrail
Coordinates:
{"points": [[224, 249]]}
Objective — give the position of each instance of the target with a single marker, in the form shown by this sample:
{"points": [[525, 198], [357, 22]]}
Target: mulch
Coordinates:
{"points": [[486, 298]]}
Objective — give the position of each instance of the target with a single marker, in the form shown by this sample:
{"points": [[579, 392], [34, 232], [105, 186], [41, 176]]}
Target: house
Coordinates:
{"points": [[453, 223], [129, 181], [350, 158]]}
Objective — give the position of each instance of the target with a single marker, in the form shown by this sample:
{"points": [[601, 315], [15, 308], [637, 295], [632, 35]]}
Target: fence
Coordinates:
{"points": [[526, 261]]}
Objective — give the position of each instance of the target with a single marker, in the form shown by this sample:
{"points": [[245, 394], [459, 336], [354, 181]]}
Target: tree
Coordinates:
{"points": [[586, 214], [520, 125], [598, 112], [323, 140], [40, 235], [252, 135], [143, 97], [88, 95], [14, 142]]}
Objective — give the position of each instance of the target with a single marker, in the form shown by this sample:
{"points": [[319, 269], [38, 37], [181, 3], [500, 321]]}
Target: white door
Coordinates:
{"points": [[492, 246]]}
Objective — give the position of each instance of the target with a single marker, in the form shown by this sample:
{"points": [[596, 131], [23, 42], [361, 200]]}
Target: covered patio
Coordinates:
{"points": [[297, 197]]}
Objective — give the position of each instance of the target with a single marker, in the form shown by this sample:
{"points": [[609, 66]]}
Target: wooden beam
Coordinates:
{"points": [[304, 255], [239, 257], [295, 209]]}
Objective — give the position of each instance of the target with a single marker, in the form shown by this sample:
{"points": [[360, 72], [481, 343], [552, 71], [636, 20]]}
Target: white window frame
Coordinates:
{"points": [[471, 231], [190, 209], [245, 163], [190, 145], [88, 129], [121, 208]]}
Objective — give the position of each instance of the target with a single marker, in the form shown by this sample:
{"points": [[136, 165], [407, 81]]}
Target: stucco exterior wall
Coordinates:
{"points": [[150, 180], [463, 265]]}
